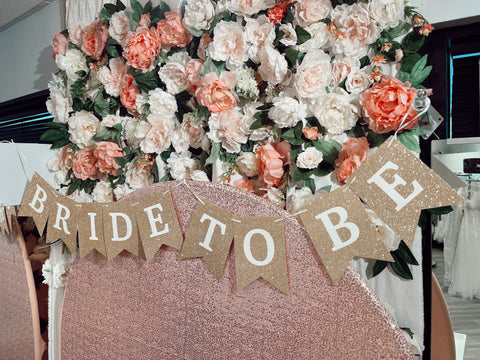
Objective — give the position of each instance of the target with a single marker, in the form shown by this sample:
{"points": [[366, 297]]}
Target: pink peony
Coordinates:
{"points": [[129, 93], [142, 48], [84, 164], [172, 31], [106, 152], [94, 39], [59, 44], [353, 154], [270, 165], [217, 94]]}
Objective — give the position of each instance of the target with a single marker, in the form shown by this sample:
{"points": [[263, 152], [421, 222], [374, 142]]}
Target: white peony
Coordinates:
{"points": [[387, 13], [258, 34], [390, 239], [174, 73], [335, 112], [287, 111], [135, 131], [247, 164], [290, 37], [102, 192], [273, 66], [301, 198], [82, 126], [309, 159], [179, 141], [138, 176], [157, 139], [61, 177], [72, 62], [59, 105], [313, 75], [225, 127], [357, 82], [118, 28], [319, 37], [199, 14], [199, 175], [275, 196], [308, 12], [248, 8], [182, 165], [193, 131], [111, 120], [81, 196], [228, 44], [111, 76], [55, 160], [162, 103], [342, 66], [121, 191]]}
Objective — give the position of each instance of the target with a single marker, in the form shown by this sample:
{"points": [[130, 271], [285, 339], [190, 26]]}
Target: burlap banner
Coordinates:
{"points": [[393, 182]]}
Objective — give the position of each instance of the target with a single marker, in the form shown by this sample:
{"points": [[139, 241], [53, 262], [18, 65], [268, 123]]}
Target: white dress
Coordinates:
{"points": [[465, 275]]}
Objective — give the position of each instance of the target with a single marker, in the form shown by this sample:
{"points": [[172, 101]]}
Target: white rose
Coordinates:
{"points": [[121, 191], [162, 103], [391, 240], [342, 66], [228, 44], [193, 131], [111, 120], [308, 12], [273, 66], [249, 110], [55, 159], [157, 140], [357, 82], [59, 105], [290, 37], [265, 133], [111, 77], [179, 141], [313, 75], [182, 165], [299, 200], [248, 8], [319, 37], [61, 177], [276, 196], [174, 76], [309, 159], [335, 112], [225, 127], [199, 175], [118, 29], [258, 33], [138, 176], [72, 62], [387, 13], [199, 14], [81, 196], [102, 192], [135, 131], [247, 164], [287, 111], [82, 126]]}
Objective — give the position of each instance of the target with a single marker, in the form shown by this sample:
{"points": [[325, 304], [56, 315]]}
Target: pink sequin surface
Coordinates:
{"points": [[16, 325], [175, 309]]}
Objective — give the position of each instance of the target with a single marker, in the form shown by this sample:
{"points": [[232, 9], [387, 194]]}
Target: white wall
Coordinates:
{"points": [[445, 10], [26, 55]]}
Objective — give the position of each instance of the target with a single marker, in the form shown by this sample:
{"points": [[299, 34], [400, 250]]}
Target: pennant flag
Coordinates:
{"points": [[90, 229], [340, 229], [210, 236], [3, 221], [157, 223], [36, 201], [260, 252], [397, 185], [120, 229], [62, 223]]}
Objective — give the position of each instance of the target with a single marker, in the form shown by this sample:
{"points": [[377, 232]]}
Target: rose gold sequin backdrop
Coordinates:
{"points": [[175, 309], [16, 326]]}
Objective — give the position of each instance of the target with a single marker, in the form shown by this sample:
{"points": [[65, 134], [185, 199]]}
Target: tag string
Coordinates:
{"points": [[184, 182]]}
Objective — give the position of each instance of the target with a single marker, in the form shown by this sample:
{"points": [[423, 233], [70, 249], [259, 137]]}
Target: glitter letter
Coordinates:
{"points": [[211, 228], [270, 247], [332, 229], [152, 220]]}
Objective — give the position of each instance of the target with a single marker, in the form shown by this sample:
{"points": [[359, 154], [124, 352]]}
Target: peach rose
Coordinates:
{"points": [[283, 148], [278, 12], [76, 34], [172, 31], [106, 152], [386, 103], [192, 71], [128, 94], [144, 22], [217, 94], [59, 44], [311, 133], [66, 159], [270, 165], [204, 41], [346, 169], [142, 48], [243, 184], [95, 38], [84, 164], [353, 154]]}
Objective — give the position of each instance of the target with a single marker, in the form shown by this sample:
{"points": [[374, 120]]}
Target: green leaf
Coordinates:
{"points": [[58, 144], [72, 187], [120, 6], [400, 266], [408, 331], [327, 188], [412, 42], [56, 125], [441, 210], [302, 35], [212, 66], [136, 7], [330, 149], [403, 76], [379, 266], [54, 135], [201, 113], [310, 183], [104, 15], [409, 61], [420, 76], [420, 64], [289, 17], [112, 51], [292, 55], [376, 139], [302, 174], [111, 9], [146, 81], [409, 141], [294, 153], [156, 177], [214, 154], [148, 7], [195, 32], [216, 20], [402, 28], [279, 37], [406, 254], [365, 61], [257, 124], [294, 135]]}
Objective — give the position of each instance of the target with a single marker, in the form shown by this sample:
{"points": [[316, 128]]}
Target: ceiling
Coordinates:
{"points": [[14, 10]]}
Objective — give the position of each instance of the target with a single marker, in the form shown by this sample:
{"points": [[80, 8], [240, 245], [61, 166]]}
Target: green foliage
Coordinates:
{"points": [[214, 154], [329, 149], [57, 135], [302, 35], [409, 140], [146, 81], [403, 258], [294, 135], [109, 134], [211, 65]]}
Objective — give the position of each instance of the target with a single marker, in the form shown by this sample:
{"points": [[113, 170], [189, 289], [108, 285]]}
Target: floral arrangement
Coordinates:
{"points": [[265, 95]]}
